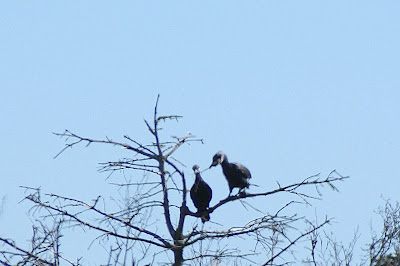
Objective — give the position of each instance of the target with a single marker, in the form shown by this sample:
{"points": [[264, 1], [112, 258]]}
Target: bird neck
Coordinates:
{"points": [[198, 178]]}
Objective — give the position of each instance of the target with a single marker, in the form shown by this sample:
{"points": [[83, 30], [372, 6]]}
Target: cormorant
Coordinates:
{"points": [[236, 174], [201, 195]]}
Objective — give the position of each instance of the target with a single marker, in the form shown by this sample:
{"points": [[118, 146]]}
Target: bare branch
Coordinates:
{"points": [[24, 252], [181, 141], [78, 139], [160, 159], [289, 189], [74, 217], [296, 240]]}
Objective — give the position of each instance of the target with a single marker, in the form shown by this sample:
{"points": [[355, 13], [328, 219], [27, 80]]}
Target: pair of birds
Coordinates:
{"points": [[236, 174]]}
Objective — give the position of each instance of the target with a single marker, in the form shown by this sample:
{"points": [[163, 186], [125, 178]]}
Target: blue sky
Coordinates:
{"points": [[289, 89]]}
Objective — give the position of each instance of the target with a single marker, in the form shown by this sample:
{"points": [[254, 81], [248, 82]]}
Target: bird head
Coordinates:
{"points": [[196, 169], [218, 158]]}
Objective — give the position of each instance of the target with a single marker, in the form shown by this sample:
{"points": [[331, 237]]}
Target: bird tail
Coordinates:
{"points": [[205, 217]]}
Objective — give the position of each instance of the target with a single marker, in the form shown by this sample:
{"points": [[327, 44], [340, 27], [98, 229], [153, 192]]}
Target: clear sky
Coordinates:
{"points": [[288, 88]]}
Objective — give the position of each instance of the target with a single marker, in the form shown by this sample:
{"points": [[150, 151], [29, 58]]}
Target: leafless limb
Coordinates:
{"points": [[294, 241], [314, 181], [44, 249], [125, 223]]}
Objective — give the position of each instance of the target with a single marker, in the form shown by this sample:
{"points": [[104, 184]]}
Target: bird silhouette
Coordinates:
{"points": [[236, 174], [201, 195]]}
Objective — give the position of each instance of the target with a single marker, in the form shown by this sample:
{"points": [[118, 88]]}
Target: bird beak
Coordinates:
{"points": [[205, 170]]}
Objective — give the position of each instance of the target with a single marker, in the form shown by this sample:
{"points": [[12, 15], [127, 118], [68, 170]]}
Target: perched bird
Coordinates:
{"points": [[236, 174], [201, 195]]}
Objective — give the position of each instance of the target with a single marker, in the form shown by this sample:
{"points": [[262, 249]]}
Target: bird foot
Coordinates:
{"points": [[242, 193]]}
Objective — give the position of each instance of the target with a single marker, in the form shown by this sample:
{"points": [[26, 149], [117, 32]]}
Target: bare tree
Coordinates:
{"points": [[131, 226], [385, 247]]}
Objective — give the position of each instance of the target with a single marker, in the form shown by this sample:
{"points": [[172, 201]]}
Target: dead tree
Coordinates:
{"points": [[385, 247], [383, 250], [133, 224]]}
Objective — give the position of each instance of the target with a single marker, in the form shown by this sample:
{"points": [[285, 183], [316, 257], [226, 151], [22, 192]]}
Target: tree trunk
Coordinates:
{"points": [[178, 248], [178, 256]]}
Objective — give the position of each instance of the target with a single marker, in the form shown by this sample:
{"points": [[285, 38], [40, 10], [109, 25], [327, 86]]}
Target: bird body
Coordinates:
{"points": [[236, 174], [201, 195]]}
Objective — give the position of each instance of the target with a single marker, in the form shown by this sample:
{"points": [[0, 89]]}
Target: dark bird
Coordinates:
{"points": [[201, 195], [236, 174]]}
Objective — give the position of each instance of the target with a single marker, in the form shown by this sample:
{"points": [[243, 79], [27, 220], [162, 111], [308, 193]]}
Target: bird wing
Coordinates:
{"points": [[243, 169], [193, 192], [209, 192]]}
